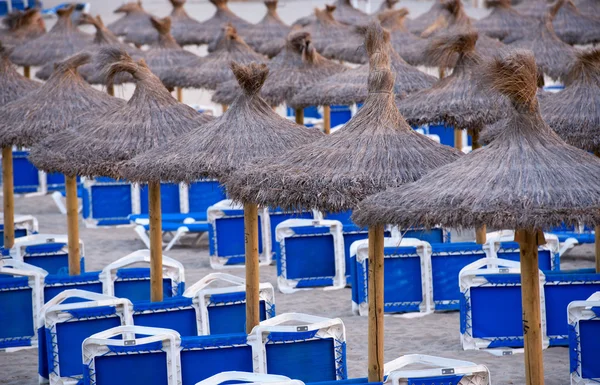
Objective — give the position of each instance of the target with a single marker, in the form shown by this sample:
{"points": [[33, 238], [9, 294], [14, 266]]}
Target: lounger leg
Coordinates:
{"points": [[141, 232], [9, 198], [252, 266], [376, 259], [57, 198]]}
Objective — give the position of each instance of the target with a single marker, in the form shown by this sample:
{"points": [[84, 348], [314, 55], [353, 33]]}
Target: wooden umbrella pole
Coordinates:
{"points": [[27, 72], [9, 198], [327, 120], [458, 139], [480, 232], [252, 268], [156, 271], [299, 116], [529, 240], [110, 89], [224, 107], [73, 224], [179, 94], [376, 245]]}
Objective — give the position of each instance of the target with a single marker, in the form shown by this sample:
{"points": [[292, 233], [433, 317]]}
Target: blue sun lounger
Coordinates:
{"points": [[584, 340], [434, 371], [24, 225], [121, 280], [46, 251], [248, 378], [108, 202], [220, 300], [277, 216], [55, 284], [177, 313], [501, 244]]}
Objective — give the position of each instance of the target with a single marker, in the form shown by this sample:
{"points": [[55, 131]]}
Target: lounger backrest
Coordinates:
{"points": [[46, 251], [107, 202]]}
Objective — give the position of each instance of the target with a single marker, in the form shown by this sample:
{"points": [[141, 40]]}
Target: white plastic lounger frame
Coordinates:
{"points": [[28, 222], [494, 239], [172, 269], [249, 378], [136, 204], [361, 250], [472, 276], [397, 373], [60, 202], [201, 292], [18, 250], [581, 311], [297, 322], [285, 230], [216, 212], [140, 230], [99, 345]]}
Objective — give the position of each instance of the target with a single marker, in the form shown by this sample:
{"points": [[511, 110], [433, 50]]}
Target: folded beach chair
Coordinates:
{"points": [[226, 235], [177, 313], [67, 320], [299, 346], [108, 202], [277, 216], [584, 340], [501, 244], [408, 283], [248, 378], [21, 298], [47, 251], [55, 284], [121, 280], [220, 300], [132, 355], [432, 370], [24, 225]]}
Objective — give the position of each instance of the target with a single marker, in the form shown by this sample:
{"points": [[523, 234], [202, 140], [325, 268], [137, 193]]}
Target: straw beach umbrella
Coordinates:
{"points": [[503, 23], [22, 26], [12, 87], [212, 27], [135, 25], [420, 23], [533, 8], [270, 29], [325, 29], [249, 130], [589, 7], [573, 27], [185, 28], [27, 121], [149, 119], [409, 46], [377, 149], [527, 179], [61, 41], [345, 13], [387, 5]]}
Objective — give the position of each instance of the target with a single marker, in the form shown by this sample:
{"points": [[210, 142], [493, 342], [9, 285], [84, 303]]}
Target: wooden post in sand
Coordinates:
{"points": [[480, 232], [73, 225], [252, 266], [110, 89], [27, 72], [299, 116], [9, 198], [327, 120], [529, 240], [156, 271], [180, 94], [458, 139], [375, 341], [224, 107]]}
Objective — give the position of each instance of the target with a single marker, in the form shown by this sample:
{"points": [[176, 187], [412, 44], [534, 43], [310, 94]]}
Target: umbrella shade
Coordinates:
{"points": [[345, 13], [58, 104], [185, 28], [325, 30], [409, 46], [503, 22], [212, 27], [573, 27], [552, 55], [13, 85], [61, 41], [22, 26], [455, 100], [351, 50], [135, 25], [270, 29], [533, 8], [149, 119], [589, 7], [376, 149], [526, 178], [212, 70]]}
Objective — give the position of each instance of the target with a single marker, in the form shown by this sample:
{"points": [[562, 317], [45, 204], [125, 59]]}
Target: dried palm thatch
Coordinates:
{"points": [[573, 27], [249, 129], [30, 119], [420, 23], [214, 68], [533, 8], [527, 178], [325, 30], [409, 46], [351, 50], [13, 85], [22, 26], [185, 28], [350, 87], [455, 100], [589, 7], [270, 29], [345, 13], [61, 41], [503, 23], [135, 25], [212, 27], [552, 55], [387, 5], [148, 120], [376, 150]]}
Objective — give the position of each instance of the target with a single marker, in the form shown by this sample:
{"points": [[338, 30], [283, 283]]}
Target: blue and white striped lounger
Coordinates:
{"points": [[121, 280], [584, 340], [220, 302], [46, 251], [437, 371]]}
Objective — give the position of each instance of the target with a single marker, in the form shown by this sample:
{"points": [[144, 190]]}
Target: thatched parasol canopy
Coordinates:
{"points": [[503, 23], [527, 178], [61, 41], [375, 150], [13, 85], [589, 7], [409, 46], [148, 120], [350, 87], [351, 49], [455, 100], [58, 104], [423, 21], [212, 27], [213, 69], [325, 29], [552, 55], [270, 29], [387, 5], [533, 8], [345, 13], [22, 26], [135, 25], [573, 27], [185, 28]]}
